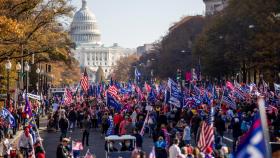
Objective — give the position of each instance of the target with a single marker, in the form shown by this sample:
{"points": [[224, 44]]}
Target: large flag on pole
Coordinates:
{"points": [[111, 101], [113, 91], [175, 94], [68, 96], [253, 142], [206, 138], [8, 116], [85, 82]]}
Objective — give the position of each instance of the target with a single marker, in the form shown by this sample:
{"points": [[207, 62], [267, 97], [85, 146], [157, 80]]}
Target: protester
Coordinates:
{"points": [[39, 151], [25, 143], [62, 150], [86, 131], [160, 148], [174, 150], [63, 125]]}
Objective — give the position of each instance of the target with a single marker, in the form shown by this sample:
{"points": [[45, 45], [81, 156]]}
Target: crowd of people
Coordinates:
{"points": [[175, 131], [16, 122]]}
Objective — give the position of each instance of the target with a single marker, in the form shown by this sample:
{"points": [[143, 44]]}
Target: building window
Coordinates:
{"points": [[105, 63]]}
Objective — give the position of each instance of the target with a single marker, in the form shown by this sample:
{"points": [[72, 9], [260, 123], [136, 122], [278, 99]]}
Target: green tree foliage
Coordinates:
{"points": [[122, 70], [175, 50], [243, 38]]}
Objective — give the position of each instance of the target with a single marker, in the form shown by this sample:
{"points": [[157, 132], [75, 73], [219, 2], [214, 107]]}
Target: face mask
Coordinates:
{"points": [[127, 144]]}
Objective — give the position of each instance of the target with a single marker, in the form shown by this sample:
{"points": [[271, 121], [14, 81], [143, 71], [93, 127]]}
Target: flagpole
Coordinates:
{"points": [[220, 104], [261, 104]]}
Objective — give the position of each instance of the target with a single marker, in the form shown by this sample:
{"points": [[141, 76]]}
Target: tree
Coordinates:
{"points": [[100, 77], [34, 25], [244, 38], [123, 67]]}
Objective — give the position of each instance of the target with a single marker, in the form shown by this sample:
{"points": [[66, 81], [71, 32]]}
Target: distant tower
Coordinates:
{"points": [[213, 6]]}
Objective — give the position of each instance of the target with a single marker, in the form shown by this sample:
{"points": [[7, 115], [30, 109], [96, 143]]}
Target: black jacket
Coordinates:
{"points": [[63, 123], [72, 115]]}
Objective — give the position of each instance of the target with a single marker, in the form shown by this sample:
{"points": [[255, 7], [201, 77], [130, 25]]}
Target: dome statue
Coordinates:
{"points": [[84, 29]]}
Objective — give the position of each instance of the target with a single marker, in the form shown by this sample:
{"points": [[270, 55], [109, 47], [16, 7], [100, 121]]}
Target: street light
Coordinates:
{"points": [[27, 69], [38, 83], [8, 67]]}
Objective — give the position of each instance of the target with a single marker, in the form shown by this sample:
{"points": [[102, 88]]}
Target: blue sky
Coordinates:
{"points": [[134, 22]]}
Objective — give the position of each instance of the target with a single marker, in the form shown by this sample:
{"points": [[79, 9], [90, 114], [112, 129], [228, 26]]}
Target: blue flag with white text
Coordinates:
{"points": [[111, 101], [252, 144]]}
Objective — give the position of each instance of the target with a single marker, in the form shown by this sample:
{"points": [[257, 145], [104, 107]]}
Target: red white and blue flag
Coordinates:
{"points": [[252, 144], [85, 82], [68, 98], [206, 138], [114, 92]]}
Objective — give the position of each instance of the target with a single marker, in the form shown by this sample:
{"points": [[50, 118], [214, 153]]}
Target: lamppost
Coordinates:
{"points": [[52, 80], [27, 69], [38, 82], [8, 67], [18, 68], [42, 73]]}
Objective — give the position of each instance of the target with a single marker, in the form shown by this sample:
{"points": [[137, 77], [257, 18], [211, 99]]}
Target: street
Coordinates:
{"points": [[96, 142]]}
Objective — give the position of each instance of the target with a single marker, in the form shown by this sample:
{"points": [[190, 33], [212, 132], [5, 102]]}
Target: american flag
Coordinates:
{"points": [[88, 155], [206, 138], [77, 146], [113, 91], [68, 96], [84, 82], [142, 132]]}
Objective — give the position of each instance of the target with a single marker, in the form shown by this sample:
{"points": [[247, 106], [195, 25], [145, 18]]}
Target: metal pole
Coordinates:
{"points": [[22, 69], [8, 88], [27, 81], [261, 104]]}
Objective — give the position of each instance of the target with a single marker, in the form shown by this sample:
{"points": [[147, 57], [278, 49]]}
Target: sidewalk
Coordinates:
{"points": [[12, 141], [15, 138]]}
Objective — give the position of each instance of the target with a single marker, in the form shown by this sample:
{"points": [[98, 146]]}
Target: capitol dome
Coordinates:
{"points": [[84, 28]]}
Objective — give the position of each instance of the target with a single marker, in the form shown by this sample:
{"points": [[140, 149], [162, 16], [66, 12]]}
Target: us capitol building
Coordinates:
{"points": [[89, 51]]}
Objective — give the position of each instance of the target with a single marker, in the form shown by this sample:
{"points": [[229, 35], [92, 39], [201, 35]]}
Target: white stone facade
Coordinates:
{"points": [[213, 6], [89, 50]]}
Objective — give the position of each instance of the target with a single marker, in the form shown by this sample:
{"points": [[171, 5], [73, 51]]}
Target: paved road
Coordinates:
{"points": [[96, 142]]}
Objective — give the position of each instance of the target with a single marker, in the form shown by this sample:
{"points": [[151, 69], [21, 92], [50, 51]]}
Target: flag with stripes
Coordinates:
{"points": [[206, 138], [68, 97], [113, 91], [85, 82], [142, 132], [228, 101], [88, 155]]}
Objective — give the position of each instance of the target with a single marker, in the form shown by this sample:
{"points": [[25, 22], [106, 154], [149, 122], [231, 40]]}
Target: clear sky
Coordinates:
{"points": [[131, 23]]}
